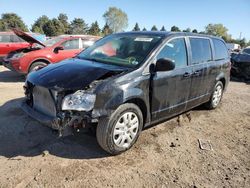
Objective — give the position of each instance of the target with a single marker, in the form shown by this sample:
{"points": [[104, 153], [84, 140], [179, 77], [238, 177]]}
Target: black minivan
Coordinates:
{"points": [[128, 81]]}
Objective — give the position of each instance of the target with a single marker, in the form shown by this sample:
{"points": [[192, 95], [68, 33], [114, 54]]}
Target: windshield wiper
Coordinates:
{"points": [[92, 59]]}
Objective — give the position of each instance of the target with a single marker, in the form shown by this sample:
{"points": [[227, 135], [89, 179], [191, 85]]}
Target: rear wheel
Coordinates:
{"points": [[216, 96], [36, 66], [120, 131]]}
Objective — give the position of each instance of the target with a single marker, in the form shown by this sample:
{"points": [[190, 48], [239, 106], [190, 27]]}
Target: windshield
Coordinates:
{"points": [[127, 50], [246, 50], [52, 41]]}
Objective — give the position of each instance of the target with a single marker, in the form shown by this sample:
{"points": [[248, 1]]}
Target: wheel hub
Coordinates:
{"points": [[126, 129]]}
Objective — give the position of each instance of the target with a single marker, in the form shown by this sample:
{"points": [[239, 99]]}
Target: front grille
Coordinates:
{"points": [[43, 101]]}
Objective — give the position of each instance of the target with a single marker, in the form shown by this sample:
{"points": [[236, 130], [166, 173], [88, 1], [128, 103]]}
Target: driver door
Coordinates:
{"points": [[70, 49], [170, 89]]}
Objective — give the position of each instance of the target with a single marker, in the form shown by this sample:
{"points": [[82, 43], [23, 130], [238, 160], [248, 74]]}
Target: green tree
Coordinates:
{"points": [[78, 26], [188, 30], [218, 30], [136, 28], [194, 31], [241, 42], [53, 27], [106, 30], [94, 29], [37, 27], [248, 44], [116, 19], [175, 29], [154, 28], [144, 29], [163, 28], [63, 18], [12, 20]]}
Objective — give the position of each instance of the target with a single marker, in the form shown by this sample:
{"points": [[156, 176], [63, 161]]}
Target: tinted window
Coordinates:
{"points": [[71, 44], [201, 50], [220, 49], [4, 38], [246, 50], [176, 51]]}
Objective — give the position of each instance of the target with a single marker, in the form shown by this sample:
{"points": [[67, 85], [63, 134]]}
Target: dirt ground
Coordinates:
{"points": [[166, 155]]}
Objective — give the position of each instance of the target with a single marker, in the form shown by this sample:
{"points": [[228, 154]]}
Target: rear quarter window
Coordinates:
{"points": [[201, 50], [220, 49], [86, 43]]}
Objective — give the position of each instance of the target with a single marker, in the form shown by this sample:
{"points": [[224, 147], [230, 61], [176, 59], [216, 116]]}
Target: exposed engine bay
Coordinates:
{"points": [[18, 53]]}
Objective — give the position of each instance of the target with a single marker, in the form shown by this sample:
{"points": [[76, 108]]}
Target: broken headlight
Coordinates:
{"points": [[80, 101]]}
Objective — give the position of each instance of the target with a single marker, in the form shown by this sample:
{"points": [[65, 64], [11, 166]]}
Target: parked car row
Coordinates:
{"points": [[241, 64], [9, 41], [125, 82], [38, 54]]}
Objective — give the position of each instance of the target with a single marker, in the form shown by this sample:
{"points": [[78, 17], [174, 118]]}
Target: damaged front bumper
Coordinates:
{"points": [[239, 70], [64, 122], [53, 122]]}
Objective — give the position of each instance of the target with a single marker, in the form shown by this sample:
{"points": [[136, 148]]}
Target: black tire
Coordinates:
{"points": [[37, 65], [211, 104], [106, 126]]}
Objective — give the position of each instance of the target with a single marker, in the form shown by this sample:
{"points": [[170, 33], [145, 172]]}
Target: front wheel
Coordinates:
{"points": [[36, 66], [216, 96], [119, 132]]}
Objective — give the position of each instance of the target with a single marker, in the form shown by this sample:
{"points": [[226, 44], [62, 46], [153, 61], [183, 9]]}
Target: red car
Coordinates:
{"points": [[41, 54], [10, 42]]}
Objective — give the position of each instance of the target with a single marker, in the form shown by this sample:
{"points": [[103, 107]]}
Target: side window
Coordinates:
{"points": [[4, 38], [220, 49], [201, 50], [71, 44], [176, 51], [86, 43], [15, 38]]}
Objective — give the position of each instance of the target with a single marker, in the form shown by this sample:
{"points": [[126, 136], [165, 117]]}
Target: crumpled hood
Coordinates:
{"points": [[71, 74]]}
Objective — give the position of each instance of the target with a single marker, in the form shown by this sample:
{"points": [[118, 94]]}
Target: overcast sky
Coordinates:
{"points": [[196, 14]]}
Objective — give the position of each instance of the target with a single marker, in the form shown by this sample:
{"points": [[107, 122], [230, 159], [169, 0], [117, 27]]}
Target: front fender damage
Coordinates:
{"points": [[69, 121]]}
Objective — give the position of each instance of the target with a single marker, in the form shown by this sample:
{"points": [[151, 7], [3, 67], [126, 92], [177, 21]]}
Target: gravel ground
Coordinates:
{"points": [[166, 155]]}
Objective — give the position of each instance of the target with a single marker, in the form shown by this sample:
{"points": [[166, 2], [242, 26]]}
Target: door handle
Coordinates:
{"points": [[186, 75], [197, 73]]}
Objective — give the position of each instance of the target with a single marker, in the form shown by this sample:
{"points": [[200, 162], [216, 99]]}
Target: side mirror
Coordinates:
{"points": [[56, 50], [164, 64]]}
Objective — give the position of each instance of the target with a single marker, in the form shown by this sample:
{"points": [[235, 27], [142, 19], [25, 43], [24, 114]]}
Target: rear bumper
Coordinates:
{"points": [[52, 122]]}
